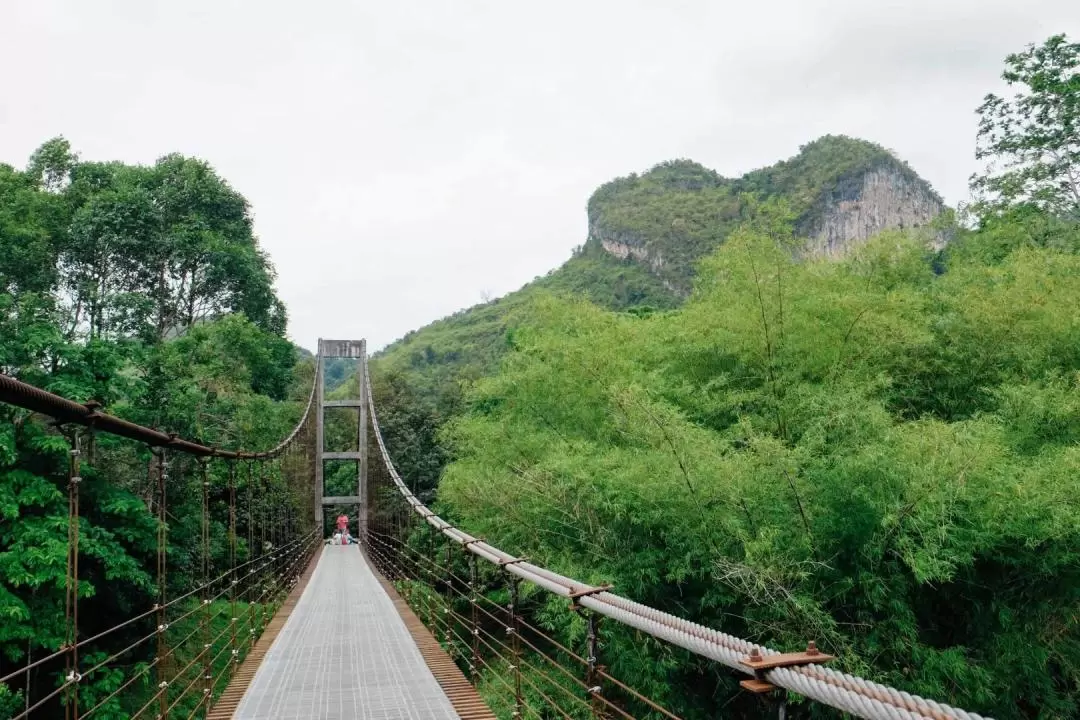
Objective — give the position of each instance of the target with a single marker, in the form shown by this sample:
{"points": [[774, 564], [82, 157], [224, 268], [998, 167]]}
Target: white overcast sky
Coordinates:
{"points": [[403, 159]]}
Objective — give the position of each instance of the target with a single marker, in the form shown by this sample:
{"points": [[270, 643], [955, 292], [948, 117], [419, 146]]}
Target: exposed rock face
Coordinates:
{"points": [[859, 207], [624, 247], [887, 199], [623, 250]]}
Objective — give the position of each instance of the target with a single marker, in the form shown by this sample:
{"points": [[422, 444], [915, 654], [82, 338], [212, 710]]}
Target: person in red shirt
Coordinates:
{"points": [[341, 534]]}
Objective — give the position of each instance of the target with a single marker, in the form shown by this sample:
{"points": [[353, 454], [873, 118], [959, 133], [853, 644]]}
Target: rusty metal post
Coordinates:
{"points": [[206, 585], [277, 520], [431, 588], [448, 634], [234, 652], [593, 668], [474, 591], [262, 520], [407, 565], [514, 631], [250, 564], [71, 707], [162, 626]]}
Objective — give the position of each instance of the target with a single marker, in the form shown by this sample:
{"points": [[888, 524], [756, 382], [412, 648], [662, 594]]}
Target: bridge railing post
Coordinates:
{"points": [[234, 651], [162, 626], [474, 631], [513, 629], [593, 669], [72, 600], [206, 594], [447, 603], [264, 520], [432, 590], [250, 568], [408, 564]]}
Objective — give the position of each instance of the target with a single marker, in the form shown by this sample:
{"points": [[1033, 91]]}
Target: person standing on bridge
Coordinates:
{"points": [[342, 523]]}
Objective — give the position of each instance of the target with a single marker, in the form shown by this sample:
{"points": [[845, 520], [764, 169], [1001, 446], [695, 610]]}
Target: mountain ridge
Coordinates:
{"points": [[841, 190], [646, 233]]}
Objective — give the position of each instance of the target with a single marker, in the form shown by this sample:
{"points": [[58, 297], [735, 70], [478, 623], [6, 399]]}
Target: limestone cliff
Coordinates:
{"points": [[886, 199]]}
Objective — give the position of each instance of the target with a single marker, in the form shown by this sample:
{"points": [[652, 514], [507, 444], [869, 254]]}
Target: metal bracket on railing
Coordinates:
{"points": [[576, 594], [761, 664], [512, 561]]}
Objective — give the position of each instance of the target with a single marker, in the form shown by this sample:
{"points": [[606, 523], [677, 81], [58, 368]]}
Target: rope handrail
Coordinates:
{"points": [[15, 392], [849, 693]]}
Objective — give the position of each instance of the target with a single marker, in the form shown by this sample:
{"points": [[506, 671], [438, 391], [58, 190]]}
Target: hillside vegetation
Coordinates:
{"points": [[860, 452], [877, 452], [678, 211]]}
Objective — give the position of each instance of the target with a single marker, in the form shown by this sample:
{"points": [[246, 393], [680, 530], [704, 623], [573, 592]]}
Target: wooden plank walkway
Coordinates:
{"points": [[344, 652]]}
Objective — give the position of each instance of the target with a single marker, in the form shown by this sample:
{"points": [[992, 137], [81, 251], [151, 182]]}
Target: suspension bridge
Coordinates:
{"points": [[419, 620]]}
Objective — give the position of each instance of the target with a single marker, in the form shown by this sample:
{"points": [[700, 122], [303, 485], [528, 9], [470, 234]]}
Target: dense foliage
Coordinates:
{"points": [[860, 452], [468, 344], [679, 212], [141, 288], [879, 453]]}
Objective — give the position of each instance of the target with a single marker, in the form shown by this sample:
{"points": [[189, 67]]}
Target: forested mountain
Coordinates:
{"points": [[648, 232], [806, 403], [840, 192]]}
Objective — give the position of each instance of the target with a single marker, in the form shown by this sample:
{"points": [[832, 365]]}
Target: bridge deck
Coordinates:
{"points": [[344, 653]]}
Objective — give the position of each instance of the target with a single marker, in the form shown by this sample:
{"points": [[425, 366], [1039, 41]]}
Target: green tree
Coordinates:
{"points": [[155, 250], [410, 426], [31, 230], [1031, 140], [143, 288], [51, 164]]}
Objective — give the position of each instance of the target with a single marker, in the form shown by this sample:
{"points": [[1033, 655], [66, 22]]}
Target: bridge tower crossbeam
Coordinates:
{"points": [[349, 349]]}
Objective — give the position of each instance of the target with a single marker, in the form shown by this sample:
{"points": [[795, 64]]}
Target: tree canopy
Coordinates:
{"points": [[143, 288], [870, 453], [1031, 140]]}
